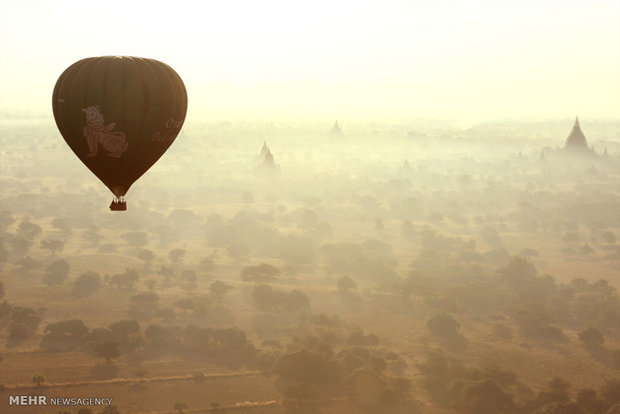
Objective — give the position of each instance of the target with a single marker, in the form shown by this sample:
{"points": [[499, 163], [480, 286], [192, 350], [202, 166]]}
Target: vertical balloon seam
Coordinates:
{"points": [[56, 97], [147, 113], [143, 87], [123, 119], [157, 80], [85, 73], [180, 94], [155, 95]]}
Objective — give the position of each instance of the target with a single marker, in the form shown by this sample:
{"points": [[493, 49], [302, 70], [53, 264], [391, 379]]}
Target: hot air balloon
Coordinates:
{"points": [[119, 114]]}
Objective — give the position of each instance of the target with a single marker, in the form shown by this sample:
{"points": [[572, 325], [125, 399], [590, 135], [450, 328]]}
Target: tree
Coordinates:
{"points": [[518, 271], [28, 230], [442, 325], [346, 284], [125, 328], [28, 264], [24, 322], [38, 379], [147, 256], [57, 272], [176, 255], [485, 397], [358, 338], [143, 305], [207, 264], [261, 273], [218, 289], [108, 350], [589, 400], [86, 284], [2, 290], [62, 225], [53, 245], [297, 302], [180, 406], [125, 280], [591, 337], [64, 335]]}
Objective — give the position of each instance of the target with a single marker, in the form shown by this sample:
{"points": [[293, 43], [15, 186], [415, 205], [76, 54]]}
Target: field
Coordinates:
{"points": [[375, 271]]}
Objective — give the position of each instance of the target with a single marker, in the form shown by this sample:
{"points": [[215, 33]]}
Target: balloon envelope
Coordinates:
{"points": [[119, 114]]}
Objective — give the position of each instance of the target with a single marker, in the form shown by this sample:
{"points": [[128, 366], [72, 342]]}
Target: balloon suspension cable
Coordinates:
{"points": [[118, 204]]}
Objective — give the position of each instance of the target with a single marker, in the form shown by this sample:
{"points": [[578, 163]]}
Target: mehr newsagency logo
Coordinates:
{"points": [[28, 400]]}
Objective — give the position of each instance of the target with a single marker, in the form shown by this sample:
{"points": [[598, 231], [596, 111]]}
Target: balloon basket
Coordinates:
{"points": [[118, 205]]}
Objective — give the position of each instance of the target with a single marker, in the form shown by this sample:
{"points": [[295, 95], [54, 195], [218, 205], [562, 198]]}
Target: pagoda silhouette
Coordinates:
{"points": [[576, 139], [264, 150], [336, 130], [268, 167]]}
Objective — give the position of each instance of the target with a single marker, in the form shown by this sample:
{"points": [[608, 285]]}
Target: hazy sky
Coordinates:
{"points": [[463, 60]]}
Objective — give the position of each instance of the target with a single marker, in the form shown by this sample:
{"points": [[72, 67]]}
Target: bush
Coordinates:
{"points": [[591, 337], [64, 335], [261, 273], [86, 284], [57, 272], [443, 325], [485, 397]]}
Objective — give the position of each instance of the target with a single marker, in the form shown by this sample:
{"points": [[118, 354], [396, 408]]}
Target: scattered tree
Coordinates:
{"points": [[346, 284], [64, 335], [57, 272], [591, 337], [180, 406], [218, 289], [176, 255], [38, 379], [147, 256], [28, 230], [108, 350], [261, 273], [486, 397], [53, 245], [86, 284], [443, 325]]}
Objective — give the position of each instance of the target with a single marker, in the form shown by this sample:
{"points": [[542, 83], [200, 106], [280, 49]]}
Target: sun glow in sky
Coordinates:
{"points": [[460, 60]]}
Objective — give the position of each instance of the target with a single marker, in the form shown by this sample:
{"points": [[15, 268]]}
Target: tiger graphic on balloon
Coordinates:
{"points": [[98, 134]]}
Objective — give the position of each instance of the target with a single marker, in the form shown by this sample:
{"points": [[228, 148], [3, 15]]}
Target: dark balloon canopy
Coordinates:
{"points": [[119, 114]]}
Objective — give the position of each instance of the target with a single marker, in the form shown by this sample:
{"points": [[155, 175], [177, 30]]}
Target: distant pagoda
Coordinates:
{"points": [[336, 130], [576, 139], [269, 161]]}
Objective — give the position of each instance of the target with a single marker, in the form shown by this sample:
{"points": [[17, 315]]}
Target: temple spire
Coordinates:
{"points": [[576, 139]]}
